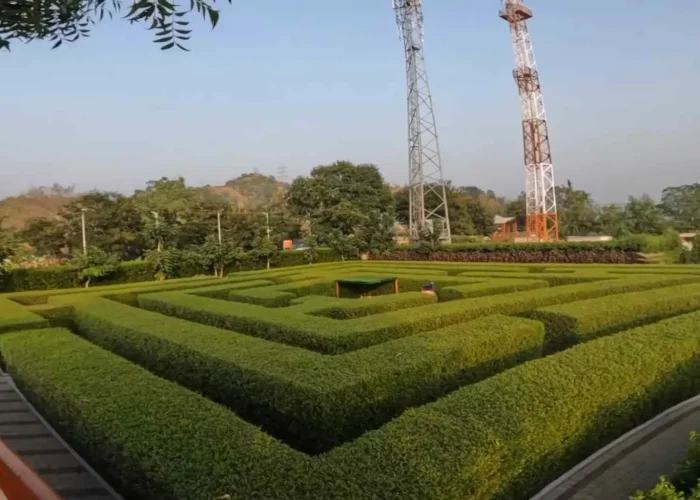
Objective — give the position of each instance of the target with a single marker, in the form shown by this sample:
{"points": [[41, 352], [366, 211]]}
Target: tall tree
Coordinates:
{"points": [[63, 21], [47, 237], [643, 216], [338, 197], [682, 205], [611, 220], [575, 209]]}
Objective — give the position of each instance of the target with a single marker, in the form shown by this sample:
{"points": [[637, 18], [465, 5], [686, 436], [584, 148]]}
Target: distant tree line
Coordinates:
{"points": [[348, 208]]}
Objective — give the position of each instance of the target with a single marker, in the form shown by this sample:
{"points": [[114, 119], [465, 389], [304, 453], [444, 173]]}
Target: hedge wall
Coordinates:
{"points": [[504, 437], [289, 397], [569, 253], [51, 278]]}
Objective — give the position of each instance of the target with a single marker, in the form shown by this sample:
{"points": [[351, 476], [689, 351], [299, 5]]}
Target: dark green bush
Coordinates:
{"points": [[358, 391]]}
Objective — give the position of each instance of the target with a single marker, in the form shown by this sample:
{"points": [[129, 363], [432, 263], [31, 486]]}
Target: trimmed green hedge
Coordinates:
{"points": [[57, 277], [570, 253], [151, 438], [504, 437], [15, 317], [508, 436], [356, 308], [333, 337], [568, 324], [288, 397], [490, 287]]}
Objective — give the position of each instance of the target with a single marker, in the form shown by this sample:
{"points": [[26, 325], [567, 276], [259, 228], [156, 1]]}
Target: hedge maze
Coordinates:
{"points": [[265, 385]]}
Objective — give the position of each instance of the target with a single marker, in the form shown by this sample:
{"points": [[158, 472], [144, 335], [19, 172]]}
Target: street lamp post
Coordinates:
{"points": [[82, 224], [218, 225], [160, 247], [267, 227]]}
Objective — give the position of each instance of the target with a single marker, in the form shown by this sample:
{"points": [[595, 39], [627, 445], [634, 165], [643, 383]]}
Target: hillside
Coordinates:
{"points": [[37, 203], [247, 192]]}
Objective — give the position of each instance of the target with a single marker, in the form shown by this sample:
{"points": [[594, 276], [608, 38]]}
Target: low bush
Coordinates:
{"points": [[684, 483], [281, 295], [358, 391], [553, 278], [574, 322]]}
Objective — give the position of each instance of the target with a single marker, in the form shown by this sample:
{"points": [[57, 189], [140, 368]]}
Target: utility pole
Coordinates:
{"points": [[218, 225], [82, 223], [267, 228], [427, 194], [160, 244], [541, 202]]}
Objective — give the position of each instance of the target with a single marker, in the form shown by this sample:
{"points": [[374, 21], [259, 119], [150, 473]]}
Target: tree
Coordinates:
{"points": [[682, 205], [112, 222], [66, 21], [335, 197], [517, 208], [575, 211], [47, 237], [264, 249], [94, 264], [310, 252], [344, 245], [217, 256], [611, 220], [8, 245], [643, 216], [166, 262], [376, 233]]}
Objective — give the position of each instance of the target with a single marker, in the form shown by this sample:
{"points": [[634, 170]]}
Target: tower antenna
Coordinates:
{"points": [[427, 193], [542, 220]]}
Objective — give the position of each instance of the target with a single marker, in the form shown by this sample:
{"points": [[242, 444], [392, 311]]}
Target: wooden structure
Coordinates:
{"points": [[364, 286], [507, 229]]}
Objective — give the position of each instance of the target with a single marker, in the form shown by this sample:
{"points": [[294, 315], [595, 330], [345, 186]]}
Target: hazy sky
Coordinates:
{"points": [[307, 82]]}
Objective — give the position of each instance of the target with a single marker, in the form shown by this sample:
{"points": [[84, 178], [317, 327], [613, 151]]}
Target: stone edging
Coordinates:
{"points": [[564, 487]]}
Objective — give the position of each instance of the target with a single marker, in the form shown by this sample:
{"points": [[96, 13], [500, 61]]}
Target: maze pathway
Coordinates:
{"points": [[38, 446]]}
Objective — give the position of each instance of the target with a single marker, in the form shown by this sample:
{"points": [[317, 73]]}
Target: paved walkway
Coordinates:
{"points": [[36, 444], [633, 462]]}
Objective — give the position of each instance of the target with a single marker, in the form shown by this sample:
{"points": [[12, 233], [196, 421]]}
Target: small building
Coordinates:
{"points": [[687, 239]]}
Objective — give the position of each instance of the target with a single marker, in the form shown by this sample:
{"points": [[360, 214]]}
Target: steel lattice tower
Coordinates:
{"points": [[541, 200], [428, 199]]}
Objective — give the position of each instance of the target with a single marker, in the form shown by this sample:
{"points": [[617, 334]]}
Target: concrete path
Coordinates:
{"points": [[633, 462]]}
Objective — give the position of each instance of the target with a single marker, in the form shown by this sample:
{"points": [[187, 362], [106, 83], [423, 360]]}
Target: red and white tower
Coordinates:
{"points": [[542, 221]]}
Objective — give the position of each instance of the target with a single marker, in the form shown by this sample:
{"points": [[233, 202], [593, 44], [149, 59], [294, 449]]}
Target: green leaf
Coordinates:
{"points": [[163, 40], [168, 46], [214, 17], [57, 44]]}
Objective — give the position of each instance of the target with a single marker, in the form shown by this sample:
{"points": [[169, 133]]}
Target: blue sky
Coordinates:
{"points": [[307, 82]]}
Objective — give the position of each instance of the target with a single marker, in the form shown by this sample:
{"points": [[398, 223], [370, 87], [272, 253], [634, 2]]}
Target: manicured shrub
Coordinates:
{"points": [[508, 436], [333, 337], [572, 253], [358, 391], [352, 308], [575, 322], [490, 287], [15, 317], [151, 438]]}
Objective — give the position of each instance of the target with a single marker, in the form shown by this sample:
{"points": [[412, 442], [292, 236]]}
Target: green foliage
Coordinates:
{"points": [[375, 233], [685, 480], [93, 264], [345, 245], [15, 317], [310, 250], [8, 245], [67, 21], [682, 205], [358, 391], [575, 209], [165, 263], [47, 237], [216, 256]]}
